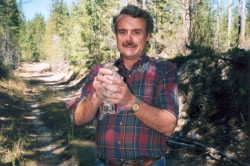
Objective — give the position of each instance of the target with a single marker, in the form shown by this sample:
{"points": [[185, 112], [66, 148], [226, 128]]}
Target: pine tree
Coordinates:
{"points": [[248, 24], [243, 22], [203, 26], [90, 38], [53, 48], [229, 21], [10, 21], [31, 38]]}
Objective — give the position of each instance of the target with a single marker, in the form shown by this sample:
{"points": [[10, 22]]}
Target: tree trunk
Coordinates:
{"points": [[243, 22], [217, 36], [229, 22], [186, 21], [143, 4], [7, 55], [135, 2], [239, 24]]}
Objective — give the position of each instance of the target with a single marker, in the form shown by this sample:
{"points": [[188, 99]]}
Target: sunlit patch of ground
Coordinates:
{"points": [[48, 131], [47, 93]]}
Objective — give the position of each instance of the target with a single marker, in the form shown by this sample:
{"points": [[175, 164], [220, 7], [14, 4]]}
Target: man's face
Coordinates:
{"points": [[131, 36]]}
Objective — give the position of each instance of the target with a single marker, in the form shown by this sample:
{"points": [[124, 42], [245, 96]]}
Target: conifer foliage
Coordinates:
{"points": [[31, 39], [80, 34], [10, 24]]}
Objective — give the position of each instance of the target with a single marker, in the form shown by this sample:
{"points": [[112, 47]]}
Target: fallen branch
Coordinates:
{"points": [[179, 143], [195, 144], [227, 59]]}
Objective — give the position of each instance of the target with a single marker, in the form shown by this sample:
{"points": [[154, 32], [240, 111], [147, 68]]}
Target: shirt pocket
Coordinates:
{"points": [[144, 85]]}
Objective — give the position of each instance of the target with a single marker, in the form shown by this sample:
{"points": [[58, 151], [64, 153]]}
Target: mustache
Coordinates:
{"points": [[129, 44]]}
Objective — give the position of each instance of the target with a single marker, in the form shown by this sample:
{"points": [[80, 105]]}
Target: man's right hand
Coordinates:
{"points": [[100, 79]]}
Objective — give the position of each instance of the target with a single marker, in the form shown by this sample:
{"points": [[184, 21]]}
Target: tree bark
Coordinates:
{"points": [[186, 21], [135, 2], [144, 4], [243, 22], [229, 21], [239, 24], [217, 36]]}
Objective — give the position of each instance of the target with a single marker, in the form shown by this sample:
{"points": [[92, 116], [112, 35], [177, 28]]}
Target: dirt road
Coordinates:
{"points": [[49, 147], [46, 150]]}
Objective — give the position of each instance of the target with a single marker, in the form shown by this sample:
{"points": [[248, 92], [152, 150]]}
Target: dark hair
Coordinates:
{"points": [[136, 12]]}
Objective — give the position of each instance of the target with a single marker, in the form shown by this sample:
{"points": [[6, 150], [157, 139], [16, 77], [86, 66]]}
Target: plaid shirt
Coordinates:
{"points": [[122, 136]]}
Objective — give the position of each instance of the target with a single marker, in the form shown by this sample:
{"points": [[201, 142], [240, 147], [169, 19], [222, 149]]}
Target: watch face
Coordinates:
{"points": [[135, 107]]}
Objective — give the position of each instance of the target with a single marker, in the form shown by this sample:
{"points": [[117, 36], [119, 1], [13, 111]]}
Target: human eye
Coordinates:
{"points": [[122, 32], [136, 32]]}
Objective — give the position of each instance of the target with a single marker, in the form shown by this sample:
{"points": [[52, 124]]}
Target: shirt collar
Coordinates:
{"points": [[142, 59]]}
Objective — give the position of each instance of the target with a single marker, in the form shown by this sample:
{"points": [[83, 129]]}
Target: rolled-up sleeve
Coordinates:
{"points": [[87, 90], [167, 89]]}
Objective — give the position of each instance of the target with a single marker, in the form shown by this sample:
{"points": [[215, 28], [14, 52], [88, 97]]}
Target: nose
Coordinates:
{"points": [[129, 37]]}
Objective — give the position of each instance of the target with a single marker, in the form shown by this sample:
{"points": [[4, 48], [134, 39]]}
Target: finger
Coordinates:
{"points": [[116, 80], [97, 83], [97, 80], [108, 87], [112, 89], [104, 71], [103, 79]]}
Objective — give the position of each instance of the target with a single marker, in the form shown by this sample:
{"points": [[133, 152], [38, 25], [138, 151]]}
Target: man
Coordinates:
{"points": [[146, 98]]}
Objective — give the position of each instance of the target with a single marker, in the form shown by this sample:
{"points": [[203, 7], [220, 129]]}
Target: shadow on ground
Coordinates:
{"points": [[213, 112]]}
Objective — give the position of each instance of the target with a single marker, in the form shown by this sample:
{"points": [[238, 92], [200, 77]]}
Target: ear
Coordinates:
{"points": [[148, 36]]}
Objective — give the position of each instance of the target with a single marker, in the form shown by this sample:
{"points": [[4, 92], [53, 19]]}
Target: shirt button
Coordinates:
{"points": [[119, 142], [120, 123]]}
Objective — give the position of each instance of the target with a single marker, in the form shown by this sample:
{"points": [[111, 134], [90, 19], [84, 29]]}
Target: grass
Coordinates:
{"points": [[14, 87], [15, 147], [217, 110], [79, 140], [12, 133]]}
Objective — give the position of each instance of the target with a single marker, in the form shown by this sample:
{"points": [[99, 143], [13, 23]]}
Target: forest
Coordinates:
{"points": [[81, 34], [207, 40]]}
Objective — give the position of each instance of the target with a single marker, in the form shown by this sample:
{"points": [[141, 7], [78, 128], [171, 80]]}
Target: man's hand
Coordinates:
{"points": [[121, 95], [101, 79]]}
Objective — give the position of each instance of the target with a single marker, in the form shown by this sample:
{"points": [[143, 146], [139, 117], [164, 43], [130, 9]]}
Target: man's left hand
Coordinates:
{"points": [[122, 95]]}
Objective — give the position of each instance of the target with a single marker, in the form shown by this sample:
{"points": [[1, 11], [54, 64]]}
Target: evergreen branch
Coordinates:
{"points": [[25, 2]]}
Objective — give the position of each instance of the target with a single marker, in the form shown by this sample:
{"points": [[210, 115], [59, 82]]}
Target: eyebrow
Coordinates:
{"points": [[137, 30], [122, 29]]}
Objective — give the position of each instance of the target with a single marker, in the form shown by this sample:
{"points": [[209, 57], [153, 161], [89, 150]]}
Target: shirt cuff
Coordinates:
{"points": [[71, 105]]}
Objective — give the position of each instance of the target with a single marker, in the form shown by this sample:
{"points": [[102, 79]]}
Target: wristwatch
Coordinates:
{"points": [[135, 106]]}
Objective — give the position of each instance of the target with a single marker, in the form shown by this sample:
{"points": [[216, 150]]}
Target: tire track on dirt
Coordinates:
{"points": [[47, 150], [42, 135]]}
